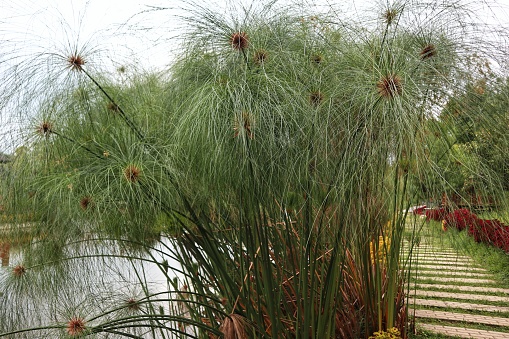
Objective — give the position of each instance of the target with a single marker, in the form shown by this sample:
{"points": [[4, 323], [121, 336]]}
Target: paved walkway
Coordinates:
{"points": [[463, 332], [450, 295]]}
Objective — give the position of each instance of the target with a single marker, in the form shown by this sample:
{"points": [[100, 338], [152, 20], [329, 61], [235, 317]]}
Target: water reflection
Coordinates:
{"points": [[94, 278]]}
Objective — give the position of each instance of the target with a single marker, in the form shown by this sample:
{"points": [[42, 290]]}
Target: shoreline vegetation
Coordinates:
{"points": [[266, 176]]}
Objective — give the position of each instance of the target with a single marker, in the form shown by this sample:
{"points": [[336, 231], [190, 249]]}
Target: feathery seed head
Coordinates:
{"points": [[428, 51], [75, 62], [390, 15], [480, 87], [260, 56], [132, 304], [75, 326], [243, 125], [316, 98], [389, 86], [44, 128], [132, 173], [86, 203], [19, 271], [317, 59], [113, 107], [239, 41]]}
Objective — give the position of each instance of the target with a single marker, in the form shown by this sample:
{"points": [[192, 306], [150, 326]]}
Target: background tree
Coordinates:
{"points": [[478, 115]]}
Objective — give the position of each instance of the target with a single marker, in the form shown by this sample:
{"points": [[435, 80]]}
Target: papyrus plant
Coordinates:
{"points": [[272, 157]]}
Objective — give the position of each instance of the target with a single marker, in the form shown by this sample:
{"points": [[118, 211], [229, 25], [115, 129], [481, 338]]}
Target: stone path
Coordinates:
{"points": [[463, 332], [453, 296]]}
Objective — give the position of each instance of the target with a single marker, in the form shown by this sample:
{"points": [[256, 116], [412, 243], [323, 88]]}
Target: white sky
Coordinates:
{"points": [[103, 20], [97, 21], [54, 21]]}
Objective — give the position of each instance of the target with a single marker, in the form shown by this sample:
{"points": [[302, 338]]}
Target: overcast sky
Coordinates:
{"points": [[107, 22], [95, 21]]}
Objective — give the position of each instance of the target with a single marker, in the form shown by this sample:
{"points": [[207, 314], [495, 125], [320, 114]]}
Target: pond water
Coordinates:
{"points": [[87, 285]]}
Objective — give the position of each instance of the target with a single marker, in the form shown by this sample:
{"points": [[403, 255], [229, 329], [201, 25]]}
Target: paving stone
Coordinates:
{"points": [[465, 296], [455, 258], [454, 267], [458, 280], [451, 268], [455, 304], [465, 332], [462, 288], [443, 268], [458, 266], [430, 251], [442, 258], [426, 248], [433, 252], [455, 274], [444, 261], [469, 318]]}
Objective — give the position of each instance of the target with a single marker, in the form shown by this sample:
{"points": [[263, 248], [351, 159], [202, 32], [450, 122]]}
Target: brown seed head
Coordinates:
{"points": [[260, 56], [317, 59], [113, 107], [44, 128], [390, 15], [428, 51], [389, 86], [479, 89], [132, 173], [86, 203], [132, 304], [239, 41], [75, 326], [19, 270], [75, 62], [244, 124], [316, 98]]}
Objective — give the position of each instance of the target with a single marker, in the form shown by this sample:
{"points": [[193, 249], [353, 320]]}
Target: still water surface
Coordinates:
{"points": [[89, 284]]}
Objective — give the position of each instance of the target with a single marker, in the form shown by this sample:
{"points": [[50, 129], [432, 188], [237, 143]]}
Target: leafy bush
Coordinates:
{"points": [[487, 231], [460, 219], [391, 333], [436, 214]]}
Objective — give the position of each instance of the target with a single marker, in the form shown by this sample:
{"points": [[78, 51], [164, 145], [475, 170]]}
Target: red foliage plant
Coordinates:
{"points": [[436, 214], [419, 210], [460, 219], [488, 231], [492, 232]]}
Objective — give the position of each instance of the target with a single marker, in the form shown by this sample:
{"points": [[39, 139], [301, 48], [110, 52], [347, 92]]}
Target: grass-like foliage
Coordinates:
{"points": [[265, 176]]}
